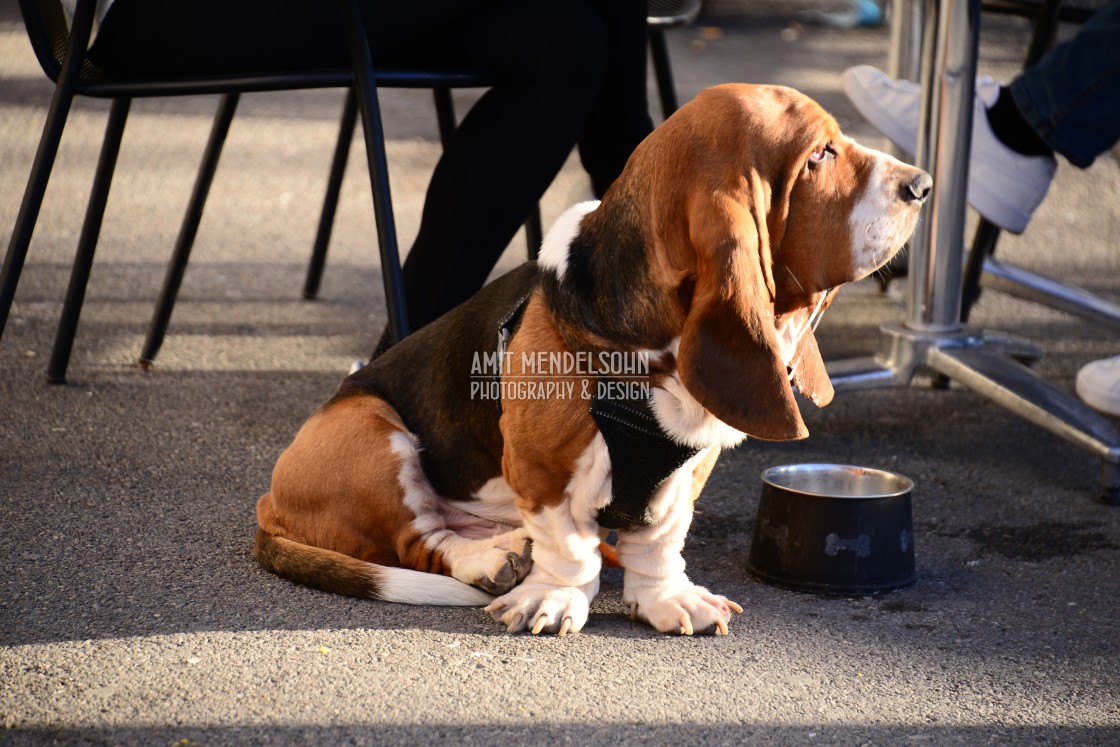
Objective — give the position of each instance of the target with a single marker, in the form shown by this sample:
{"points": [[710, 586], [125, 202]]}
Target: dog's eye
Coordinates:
{"points": [[818, 156]]}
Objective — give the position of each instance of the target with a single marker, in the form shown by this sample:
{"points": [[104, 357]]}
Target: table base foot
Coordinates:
{"points": [[989, 364]]}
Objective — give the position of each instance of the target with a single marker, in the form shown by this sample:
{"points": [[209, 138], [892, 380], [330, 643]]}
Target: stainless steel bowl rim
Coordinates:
{"points": [[893, 484]]}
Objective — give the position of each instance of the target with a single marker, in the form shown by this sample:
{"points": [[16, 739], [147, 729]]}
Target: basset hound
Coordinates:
{"points": [[482, 460]]}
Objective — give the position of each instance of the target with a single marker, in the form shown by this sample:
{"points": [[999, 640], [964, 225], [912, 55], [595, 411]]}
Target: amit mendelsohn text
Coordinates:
{"points": [[554, 375]]}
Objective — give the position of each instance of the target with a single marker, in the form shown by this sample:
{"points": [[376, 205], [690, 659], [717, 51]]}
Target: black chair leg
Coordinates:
{"points": [[87, 242], [1045, 31], [445, 115], [181, 255], [330, 201], [374, 133], [63, 97], [983, 246], [987, 233], [534, 234], [663, 72]]}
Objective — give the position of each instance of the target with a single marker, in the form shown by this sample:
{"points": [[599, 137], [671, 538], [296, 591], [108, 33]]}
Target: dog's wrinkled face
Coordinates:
{"points": [[793, 210], [730, 231], [850, 209]]}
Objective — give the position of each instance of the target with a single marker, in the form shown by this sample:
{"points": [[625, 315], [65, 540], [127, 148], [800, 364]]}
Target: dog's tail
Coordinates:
{"points": [[331, 571]]}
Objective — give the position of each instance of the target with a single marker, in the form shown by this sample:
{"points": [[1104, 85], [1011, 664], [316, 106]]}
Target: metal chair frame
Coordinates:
{"points": [[63, 58]]}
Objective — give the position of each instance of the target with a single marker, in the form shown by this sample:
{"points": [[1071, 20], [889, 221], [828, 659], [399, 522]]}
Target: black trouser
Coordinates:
{"points": [[569, 73]]}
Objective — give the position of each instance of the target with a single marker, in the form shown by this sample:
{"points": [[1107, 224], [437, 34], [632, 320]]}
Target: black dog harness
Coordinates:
{"points": [[642, 458], [642, 455]]}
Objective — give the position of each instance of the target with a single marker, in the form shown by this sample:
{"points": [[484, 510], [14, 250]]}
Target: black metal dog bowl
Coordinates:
{"points": [[834, 529]]}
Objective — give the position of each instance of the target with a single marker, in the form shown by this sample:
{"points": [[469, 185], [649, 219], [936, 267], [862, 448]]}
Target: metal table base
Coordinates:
{"points": [[931, 340], [1029, 286]]}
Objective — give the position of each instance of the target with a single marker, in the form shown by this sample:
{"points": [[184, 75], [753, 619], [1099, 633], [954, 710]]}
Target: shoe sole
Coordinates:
{"points": [[992, 206], [1102, 401]]}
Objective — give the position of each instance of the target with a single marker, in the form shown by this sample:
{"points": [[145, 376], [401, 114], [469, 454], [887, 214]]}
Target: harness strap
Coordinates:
{"points": [[507, 325], [642, 456]]}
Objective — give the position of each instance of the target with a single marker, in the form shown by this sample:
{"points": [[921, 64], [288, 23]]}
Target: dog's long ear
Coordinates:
{"points": [[728, 357], [809, 374]]}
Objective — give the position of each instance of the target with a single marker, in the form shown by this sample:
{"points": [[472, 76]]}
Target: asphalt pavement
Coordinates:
{"points": [[132, 612]]}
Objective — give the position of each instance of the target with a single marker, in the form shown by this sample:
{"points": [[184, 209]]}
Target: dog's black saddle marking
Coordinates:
{"points": [[642, 455]]}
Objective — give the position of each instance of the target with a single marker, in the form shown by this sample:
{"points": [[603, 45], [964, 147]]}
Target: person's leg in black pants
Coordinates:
{"points": [[620, 118], [510, 145], [570, 72]]}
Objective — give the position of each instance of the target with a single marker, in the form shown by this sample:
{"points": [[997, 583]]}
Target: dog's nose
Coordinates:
{"points": [[917, 189]]}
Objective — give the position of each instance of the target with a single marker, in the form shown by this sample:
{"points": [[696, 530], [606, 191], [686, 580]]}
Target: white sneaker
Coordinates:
{"points": [[1004, 186], [1098, 385]]}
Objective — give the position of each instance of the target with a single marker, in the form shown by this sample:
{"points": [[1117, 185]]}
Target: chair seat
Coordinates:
{"points": [[49, 32]]}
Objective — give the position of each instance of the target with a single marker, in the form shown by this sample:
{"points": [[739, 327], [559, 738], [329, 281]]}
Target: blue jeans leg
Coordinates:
{"points": [[1071, 97]]}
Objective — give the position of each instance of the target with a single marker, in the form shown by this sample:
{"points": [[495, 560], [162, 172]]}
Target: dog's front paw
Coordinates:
{"points": [[543, 608], [682, 608]]}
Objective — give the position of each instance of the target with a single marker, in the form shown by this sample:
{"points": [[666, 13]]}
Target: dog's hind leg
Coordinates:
{"points": [[350, 486], [495, 564]]}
